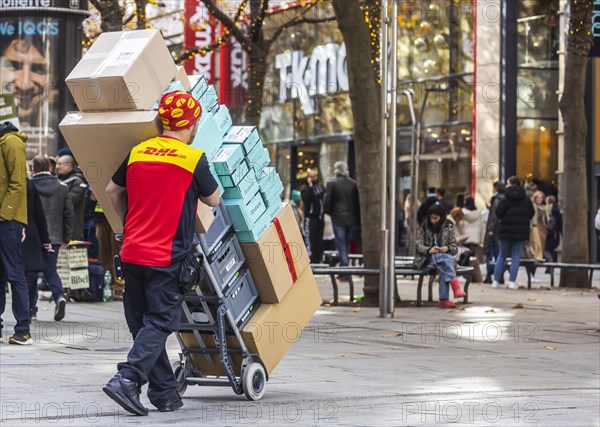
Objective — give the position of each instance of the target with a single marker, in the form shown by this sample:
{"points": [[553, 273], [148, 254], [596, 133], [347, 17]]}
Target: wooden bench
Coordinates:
{"points": [[552, 265], [402, 269]]}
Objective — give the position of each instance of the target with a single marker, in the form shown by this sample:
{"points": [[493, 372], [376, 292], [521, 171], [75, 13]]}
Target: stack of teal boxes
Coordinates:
{"points": [[250, 189]]}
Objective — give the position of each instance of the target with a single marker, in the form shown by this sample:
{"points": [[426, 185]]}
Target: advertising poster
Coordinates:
{"points": [[29, 48]]}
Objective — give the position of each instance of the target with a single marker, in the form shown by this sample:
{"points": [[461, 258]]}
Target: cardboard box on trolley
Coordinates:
{"points": [[122, 71], [270, 332], [100, 141], [267, 258]]}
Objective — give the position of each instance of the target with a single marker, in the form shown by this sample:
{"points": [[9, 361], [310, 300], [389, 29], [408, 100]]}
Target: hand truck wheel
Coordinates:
{"points": [[180, 371], [254, 381]]}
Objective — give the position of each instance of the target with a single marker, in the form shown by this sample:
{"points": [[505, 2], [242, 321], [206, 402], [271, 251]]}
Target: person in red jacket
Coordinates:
{"points": [[155, 191]]}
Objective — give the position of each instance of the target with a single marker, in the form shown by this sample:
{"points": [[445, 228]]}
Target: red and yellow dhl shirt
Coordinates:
{"points": [[164, 178]]}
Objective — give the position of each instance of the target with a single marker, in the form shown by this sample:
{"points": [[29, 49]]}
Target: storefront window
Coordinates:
{"points": [[537, 99]]}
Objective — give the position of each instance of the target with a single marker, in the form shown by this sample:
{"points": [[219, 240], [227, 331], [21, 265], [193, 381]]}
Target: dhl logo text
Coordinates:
{"points": [[169, 152]]}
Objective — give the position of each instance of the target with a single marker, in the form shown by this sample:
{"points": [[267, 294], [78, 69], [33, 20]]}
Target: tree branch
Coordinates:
{"points": [[228, 23], [297, 20]]}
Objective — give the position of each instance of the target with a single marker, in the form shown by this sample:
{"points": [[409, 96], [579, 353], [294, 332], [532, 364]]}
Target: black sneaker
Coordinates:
{"points": [[21, 338], [126, 393], [172, 405], [1, 337], [59, 310]]}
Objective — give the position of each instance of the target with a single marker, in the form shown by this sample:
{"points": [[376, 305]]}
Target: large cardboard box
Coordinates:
{"points": [[267, 261], [270, 332], [100, 142], [122, 71], [182, 77]]}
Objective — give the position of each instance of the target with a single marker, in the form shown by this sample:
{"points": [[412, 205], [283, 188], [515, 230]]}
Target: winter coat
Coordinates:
{"points": [[13, 174], [470, 225], [493, 221], [36, 231], [555, 225], [77, 189], [312, 197], [341, 201], [427, 239], [515, 212], [58, 208]]}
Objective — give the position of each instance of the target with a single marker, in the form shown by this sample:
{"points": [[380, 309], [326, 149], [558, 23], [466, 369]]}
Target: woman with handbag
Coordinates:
{"points": [[436, 246]]}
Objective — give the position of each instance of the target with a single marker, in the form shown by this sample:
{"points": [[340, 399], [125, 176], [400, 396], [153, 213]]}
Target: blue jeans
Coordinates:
{"points": [[13, 271], [52, 278], [444, 263], [508, 248], [491, 255], [342, 236]]}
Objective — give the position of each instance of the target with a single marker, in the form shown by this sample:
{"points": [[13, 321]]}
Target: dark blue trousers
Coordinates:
{"points": [[152, 302], [50, 273], [13, 271]]}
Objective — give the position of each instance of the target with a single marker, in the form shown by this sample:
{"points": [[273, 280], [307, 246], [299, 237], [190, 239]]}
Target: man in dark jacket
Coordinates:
{"points": [[13, 217], [490, 243], [341, 203], [71, 175], [58, 211], [36, 243], [312, 197], [514, 211], [427, 203]]}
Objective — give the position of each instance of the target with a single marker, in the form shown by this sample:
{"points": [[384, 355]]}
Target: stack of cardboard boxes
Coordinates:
{"points": [[116, 86]]}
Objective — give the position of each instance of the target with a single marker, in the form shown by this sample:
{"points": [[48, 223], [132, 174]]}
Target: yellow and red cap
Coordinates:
{"points": [[179, 110]]}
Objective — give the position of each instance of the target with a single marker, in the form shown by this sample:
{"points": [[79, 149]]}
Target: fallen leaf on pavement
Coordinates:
{"points": [[395, 334], [326, 305], [490, 311], [549, 347], [533, 299], [341, 355], [461, 309], [356, 310], [519, 306]]}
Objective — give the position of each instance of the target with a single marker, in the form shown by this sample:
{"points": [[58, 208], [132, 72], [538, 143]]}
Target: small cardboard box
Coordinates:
{"points": [[122, 71], [208, 136], [267, 262], [101, 141], [199, 86], [275, 327], [244, 213], [261, 163], [181, 76], [8, 109], [204, 218], [223, 119], [228, 158], [247, 136], [246, 188], [233, 180]]}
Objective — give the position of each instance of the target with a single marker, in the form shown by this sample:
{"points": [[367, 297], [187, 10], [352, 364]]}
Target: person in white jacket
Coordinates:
{"points": [[471, 226]]}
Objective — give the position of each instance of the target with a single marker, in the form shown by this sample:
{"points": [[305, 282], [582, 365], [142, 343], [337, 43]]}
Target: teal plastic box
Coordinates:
{"points": [[228, 158], [247, 136], [245, 188], [198, 89], [223, 119], [174, 85], [233, 180], [245, 213], [208, 137], [262, 162]]}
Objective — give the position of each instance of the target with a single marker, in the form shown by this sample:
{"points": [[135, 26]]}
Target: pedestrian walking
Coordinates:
{"points": [[515, 211], [68, 173], [538, 232], [491, 244], [342, 204], [58, 210], [312, 198], [436, 246], [35, 244], [440, 194], [554, 229], [156, 197], [296, 203], [13, 217]]}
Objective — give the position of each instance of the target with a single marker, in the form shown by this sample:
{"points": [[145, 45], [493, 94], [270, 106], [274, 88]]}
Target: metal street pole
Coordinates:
{"points": [[383, 265], [392, 164], [413, 188]]}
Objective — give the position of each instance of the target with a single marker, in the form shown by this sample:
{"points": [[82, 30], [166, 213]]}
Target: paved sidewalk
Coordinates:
{"points": [[490, 362]]}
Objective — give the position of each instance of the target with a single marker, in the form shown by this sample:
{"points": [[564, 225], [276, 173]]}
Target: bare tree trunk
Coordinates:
{"points": [[256, 83], [110, 13], [575, 236], [365, 96]]}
